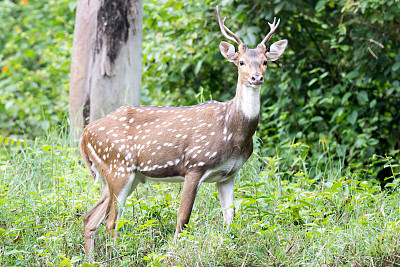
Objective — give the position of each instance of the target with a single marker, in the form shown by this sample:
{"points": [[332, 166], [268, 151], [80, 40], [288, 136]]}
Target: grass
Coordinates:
{"points": [[289, 212]]}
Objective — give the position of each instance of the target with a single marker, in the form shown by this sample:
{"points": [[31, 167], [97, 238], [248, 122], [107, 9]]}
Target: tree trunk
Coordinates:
{"points": [[106, 59]]}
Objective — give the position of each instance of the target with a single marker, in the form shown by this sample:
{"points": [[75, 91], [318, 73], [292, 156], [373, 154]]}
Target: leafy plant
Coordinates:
{"points": [[35, 44]]}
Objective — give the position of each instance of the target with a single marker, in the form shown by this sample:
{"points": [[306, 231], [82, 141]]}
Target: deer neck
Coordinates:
{"points": [[247, 101], [242, 115]]}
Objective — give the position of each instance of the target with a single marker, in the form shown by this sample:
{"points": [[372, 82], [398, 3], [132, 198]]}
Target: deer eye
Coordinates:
{"points": [[241, 63], [265, 63]]}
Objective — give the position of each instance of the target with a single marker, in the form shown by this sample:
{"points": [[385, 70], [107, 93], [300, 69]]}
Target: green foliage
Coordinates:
{"points": [[337, 81], [35, 44], [288, 212], [180, 53]]}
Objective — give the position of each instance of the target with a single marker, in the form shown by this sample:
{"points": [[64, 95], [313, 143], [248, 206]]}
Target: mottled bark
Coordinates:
{"points": [[106, 59]]}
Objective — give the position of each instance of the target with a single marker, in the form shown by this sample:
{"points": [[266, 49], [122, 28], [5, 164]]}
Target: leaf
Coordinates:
{"points": [[352, 74], [250, 38], [323, 75], [338, 115], [317, 118], [396, 66], [15, 251], [65, 262], [46, 147], [85, 264], [198, 66], [237, 203], [312, 81], [362, 97], [296, 83], [352, 118], [320, 5], [72, 6], [342, 29], [306, 203], [185, 66], [279, 7], [346, 97]]}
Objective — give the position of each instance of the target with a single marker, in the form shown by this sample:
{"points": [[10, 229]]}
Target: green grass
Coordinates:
{"points": [[289, 212]]}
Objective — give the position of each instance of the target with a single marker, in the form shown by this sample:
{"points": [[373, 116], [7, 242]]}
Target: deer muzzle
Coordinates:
{"points": [[257, 79]]}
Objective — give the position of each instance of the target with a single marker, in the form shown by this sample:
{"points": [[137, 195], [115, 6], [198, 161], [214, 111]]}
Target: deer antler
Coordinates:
{"points": [[225, 29], [272, 27]]}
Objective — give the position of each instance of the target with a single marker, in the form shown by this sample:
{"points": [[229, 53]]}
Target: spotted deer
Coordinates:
{"points": [[205, 143]]}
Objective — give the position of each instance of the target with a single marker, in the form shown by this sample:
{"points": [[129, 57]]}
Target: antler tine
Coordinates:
{"points": [[225, 29], [272, 27]]}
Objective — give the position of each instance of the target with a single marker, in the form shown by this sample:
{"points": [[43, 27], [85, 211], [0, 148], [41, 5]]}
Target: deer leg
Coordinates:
{"points": [[226, 194], [116, 205], [189, 191], [93, 219]]}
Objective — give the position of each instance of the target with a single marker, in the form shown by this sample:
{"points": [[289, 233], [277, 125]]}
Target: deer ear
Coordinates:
{"points": [[276, 50], [228, 52]]}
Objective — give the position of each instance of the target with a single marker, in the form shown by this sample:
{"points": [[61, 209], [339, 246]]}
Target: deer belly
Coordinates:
{"points": [[175, 179], [224, 171]]}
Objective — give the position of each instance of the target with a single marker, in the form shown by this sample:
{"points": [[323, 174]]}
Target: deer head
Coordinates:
{"points": [[251, 63]]}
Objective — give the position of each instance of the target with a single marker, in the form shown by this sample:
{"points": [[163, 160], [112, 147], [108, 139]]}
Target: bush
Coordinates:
{"points": [[35, 45]]}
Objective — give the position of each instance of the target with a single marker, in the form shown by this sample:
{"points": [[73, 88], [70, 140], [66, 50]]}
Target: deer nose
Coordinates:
{"points": [[257, 78]]}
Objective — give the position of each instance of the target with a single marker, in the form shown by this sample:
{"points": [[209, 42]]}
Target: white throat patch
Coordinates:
{"points": [[250, 102]]}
